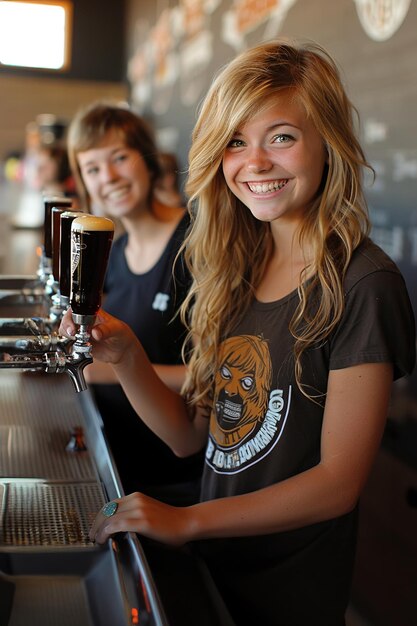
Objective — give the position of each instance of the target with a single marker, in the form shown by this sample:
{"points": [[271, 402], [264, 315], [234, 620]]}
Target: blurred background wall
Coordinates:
{"points": [[97, 69]]}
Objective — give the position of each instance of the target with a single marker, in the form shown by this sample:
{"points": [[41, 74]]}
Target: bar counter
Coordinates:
{"points": [[50, 573], [50, 491]]}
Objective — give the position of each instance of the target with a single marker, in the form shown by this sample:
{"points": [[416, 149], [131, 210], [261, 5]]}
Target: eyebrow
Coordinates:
{"points": [[114, 151], [282, 123], [87, 163], [275, 124]]}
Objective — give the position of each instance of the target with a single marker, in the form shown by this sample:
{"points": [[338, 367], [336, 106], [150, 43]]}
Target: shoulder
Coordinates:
{"points": [[119, 243], [178, 235], [369, 260], [183, 225], [378, 320], [117, 257]]}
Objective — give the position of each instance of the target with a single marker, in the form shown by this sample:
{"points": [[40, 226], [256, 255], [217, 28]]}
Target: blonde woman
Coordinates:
{"points": [[300, 324]]}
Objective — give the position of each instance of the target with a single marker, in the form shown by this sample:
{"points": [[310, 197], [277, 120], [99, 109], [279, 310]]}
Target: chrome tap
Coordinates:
{"points": [[33, 343], [47, 352], [79, 358]]}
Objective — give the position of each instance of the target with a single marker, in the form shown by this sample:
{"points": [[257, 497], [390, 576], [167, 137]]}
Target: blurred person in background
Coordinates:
{"points": [[167, 188], [43, 169], [116, 166], [51, 172]]}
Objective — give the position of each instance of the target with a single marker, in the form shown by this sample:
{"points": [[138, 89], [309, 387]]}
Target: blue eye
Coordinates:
{"points": [[235, 143], [282, 138]]}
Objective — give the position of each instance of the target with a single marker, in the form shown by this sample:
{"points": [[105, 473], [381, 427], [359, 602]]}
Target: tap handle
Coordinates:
{"points": [[49, 202], [66, 219], [56, 213], [91, 239]]}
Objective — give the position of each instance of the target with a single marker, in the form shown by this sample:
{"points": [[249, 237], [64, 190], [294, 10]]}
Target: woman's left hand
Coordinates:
{"points": [[141, 514]]}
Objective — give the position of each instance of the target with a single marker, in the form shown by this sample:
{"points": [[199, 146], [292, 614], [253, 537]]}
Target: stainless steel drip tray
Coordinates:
{"points": [[37, 513], [49, 570], [76, 587]]}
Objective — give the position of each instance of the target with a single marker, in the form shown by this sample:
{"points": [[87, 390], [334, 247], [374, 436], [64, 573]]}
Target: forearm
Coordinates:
{"points": [[172, 375], [308, 498], [103, 373], [161, 408], [100, 373]]}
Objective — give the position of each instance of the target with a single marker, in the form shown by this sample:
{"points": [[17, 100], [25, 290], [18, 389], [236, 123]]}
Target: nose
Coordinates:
{"points": [[109, 173], [258, 160]]}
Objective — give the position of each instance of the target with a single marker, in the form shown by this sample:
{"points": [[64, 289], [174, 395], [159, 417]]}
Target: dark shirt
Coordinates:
{"points": [[148, 303], [263, 430]]}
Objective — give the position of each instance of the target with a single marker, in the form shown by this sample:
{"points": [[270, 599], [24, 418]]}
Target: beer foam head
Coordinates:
{"points": [[92, 222]]}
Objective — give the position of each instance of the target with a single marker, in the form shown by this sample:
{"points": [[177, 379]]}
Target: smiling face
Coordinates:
{"points": [[274, 163], [116, 177]]}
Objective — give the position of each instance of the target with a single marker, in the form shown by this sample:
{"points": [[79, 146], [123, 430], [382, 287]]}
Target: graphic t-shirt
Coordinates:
{"points": [[264, 430]]}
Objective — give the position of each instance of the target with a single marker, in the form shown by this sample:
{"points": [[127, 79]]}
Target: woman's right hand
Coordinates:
{"points": [[110, 337], [141, 514]]}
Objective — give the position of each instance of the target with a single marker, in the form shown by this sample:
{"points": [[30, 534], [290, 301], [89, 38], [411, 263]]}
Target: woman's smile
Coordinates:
{"points": [[267, 187]]}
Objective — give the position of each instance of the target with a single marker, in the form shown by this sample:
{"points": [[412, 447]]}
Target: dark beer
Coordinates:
{"points": [[66, 218], [91, 239], [49, 202]]}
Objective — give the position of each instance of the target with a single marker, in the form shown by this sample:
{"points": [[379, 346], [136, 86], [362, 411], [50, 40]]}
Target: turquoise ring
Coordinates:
{"points": [[109, 509]]}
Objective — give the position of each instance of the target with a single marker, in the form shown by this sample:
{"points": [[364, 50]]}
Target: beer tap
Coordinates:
{"points": [[60, 279], [30, 348], [45, 271], [91, 239], [46, 352], [41, 289]]}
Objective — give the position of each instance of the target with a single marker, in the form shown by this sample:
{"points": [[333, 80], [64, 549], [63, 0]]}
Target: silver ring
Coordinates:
{"points": [[109, 509]]}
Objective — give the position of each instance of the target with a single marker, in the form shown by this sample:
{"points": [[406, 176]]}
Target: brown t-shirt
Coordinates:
{"points": [[264, 430]]}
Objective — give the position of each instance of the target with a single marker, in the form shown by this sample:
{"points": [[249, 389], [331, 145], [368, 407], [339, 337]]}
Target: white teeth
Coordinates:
{"points": [[118, 193], [267, 187]]}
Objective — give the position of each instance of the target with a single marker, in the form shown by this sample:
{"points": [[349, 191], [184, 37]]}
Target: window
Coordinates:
{"points": [[35, 34]]}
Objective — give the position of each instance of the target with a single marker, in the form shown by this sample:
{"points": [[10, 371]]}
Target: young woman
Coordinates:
{"points": [[299, 322], [116, 165], [168, 186], [51, 170]]}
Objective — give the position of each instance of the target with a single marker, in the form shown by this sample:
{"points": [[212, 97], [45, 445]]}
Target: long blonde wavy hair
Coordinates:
{"points": [[227, 249]]}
